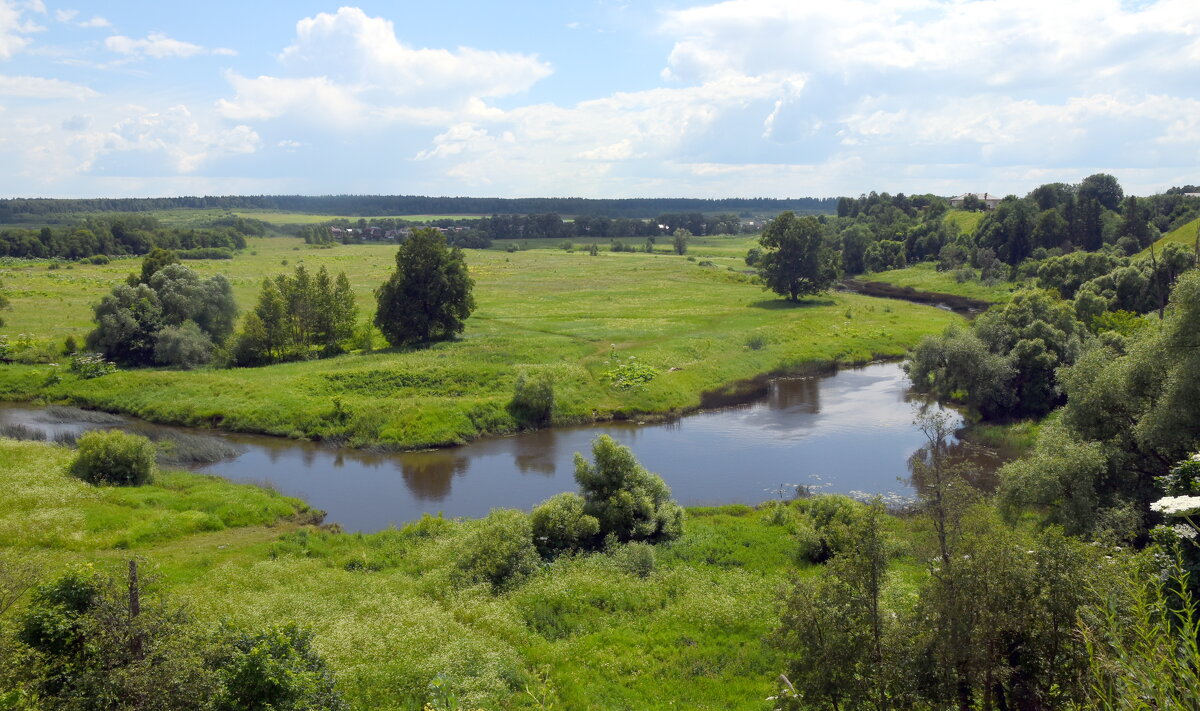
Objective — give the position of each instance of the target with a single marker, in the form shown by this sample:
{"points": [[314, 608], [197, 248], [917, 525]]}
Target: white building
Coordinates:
{"points": [[989, 201]]}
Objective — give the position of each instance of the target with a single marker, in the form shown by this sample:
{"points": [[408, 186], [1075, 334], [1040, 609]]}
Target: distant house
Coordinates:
{"points": [[1191, 194], [989, 201]]}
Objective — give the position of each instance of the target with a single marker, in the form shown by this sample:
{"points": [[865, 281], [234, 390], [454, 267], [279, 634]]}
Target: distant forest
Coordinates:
{"points": [[39, 209]]}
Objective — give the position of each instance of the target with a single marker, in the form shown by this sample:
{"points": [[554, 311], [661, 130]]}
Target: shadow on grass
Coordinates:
{"points": [[783, 304]]}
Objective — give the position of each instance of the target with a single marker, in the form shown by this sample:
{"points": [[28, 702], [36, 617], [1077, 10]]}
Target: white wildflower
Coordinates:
{"points": [[1196, 457], [1177, 505], [1184, 531]]}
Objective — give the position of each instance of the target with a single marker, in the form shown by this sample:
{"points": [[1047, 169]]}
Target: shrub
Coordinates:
{"points": [[629, 502], [184, 346], [498, 550], [278, 669], [114, 457], [99, 259], [533, 399], [560, 524], [635, 558], [91, 365], [756, 342]]}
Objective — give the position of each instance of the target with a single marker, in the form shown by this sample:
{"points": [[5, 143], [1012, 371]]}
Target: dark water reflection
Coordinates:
{"points": [[852, 431]]}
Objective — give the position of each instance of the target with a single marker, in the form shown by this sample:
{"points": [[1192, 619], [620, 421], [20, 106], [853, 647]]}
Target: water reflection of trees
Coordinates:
{"points": [[536, 452], [428, 475], [979, 466], [803, 394]]}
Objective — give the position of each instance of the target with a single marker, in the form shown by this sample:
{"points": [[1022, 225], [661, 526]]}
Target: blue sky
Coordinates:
{"points": [[596, 98]]}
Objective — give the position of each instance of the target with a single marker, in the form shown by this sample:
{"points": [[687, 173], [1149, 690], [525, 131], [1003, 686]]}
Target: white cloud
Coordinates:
{"points": [[95, 21], [158, 46], [15, 26], [363, 72], [65, 15], [39, 88]]}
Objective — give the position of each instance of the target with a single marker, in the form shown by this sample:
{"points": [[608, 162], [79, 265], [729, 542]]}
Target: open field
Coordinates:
{"points": [[1185, 235], [925, 277], [301, 218], [686, 628], [967, 221], [571, 315]]}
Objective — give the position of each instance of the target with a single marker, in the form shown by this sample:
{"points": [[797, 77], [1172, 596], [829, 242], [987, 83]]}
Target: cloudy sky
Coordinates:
{"points": [[595, 98]]}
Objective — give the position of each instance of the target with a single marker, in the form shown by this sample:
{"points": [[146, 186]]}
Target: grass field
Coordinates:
{"points": [[688, 629], [1185, 235], [300, 218], [571, 315], [967, 221], [924, 276]]}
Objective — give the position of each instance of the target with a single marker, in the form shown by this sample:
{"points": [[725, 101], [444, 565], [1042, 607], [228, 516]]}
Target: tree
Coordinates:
{"points": [[795, 261], [628, 501], [428, 297], [126, 321], [1103, 188], [3, 302], [680, 240], [156, 259]]}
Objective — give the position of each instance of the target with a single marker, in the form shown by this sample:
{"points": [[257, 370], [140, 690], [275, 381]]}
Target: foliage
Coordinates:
{"points": [[498, 550], [129, 319], [275, 668], [295, 314], [679, 240], [96, 649], [628, 501], [184, 346], [91, 365], [114, 457], [532, 404], [1006, 364], [795, 261], [561, 525], [428, 297], [628, 374]]}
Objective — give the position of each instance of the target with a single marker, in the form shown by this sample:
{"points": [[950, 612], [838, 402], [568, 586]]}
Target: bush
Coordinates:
{"points": [[560, 524], [533, 399], [91, 365], [756, 342], [114, 457], [278, 669], [98, 259], [629, 502], [634, 558], [499, 550], [184, 346]]}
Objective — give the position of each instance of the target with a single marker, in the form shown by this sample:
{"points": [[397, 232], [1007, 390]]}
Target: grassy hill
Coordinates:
{"points": [[1184, 235], [966, 220]]}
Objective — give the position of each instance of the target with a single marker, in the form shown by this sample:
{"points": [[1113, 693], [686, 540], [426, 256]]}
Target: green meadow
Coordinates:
{"points": [[1186, 235], [924, 276], [967, 221], [699, 322], [684, 625]]}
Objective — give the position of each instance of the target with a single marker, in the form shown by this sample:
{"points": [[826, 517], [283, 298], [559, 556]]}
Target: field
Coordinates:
{"points": [[701, 325], [967, 221], [299, 218], [685, 627], [1185, 235], [925, 277]]}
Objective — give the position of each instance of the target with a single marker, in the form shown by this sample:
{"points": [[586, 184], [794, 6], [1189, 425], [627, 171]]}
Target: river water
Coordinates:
{"points": [[852, 431]]}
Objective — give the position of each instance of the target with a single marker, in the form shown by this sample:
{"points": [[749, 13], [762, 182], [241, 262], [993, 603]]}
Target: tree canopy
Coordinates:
{"points": [[795, 261], [428, 297]]}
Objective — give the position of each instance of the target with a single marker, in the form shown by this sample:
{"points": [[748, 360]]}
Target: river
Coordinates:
{"points": [[852, 431]]}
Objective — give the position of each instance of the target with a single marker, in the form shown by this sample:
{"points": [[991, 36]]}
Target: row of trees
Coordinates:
{"points": [[295, 314], [116, 235]]}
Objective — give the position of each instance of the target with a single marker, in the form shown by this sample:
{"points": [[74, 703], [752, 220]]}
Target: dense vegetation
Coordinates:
{"points": [[115, 235]]}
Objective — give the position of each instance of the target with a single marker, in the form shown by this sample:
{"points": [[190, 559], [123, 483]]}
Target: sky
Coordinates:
{"points": [[595, 98]]}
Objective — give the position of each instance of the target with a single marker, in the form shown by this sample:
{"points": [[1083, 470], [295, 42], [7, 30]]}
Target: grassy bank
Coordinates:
{"points": [[1184, 235], [966, 220], [684, 625], [574, 316], [924, 276]]}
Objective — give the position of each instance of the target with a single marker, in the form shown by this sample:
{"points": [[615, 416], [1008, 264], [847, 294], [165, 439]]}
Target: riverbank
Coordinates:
{"points": [[576, 318], [678, 625]]}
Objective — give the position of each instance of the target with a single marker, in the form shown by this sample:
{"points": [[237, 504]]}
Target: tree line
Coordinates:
{"points": [[128, 234], [33, 209]]}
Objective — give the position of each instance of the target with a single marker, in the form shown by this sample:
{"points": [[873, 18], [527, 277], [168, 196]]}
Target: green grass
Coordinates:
{"points": [[967, 221], [388, 616], [43, 506], [1184, 234], [924, 276], [538, 310]]}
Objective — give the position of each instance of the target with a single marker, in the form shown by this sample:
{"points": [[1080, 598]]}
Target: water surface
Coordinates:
{"points": [[848, 432]]}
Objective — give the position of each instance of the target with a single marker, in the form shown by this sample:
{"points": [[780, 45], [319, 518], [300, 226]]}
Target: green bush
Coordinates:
{"points": [[533, 399], [114, 457], [98, 259], [498, 550], [277, 669], [629, 502], [635, 558], [184, 346], [560, 524]]}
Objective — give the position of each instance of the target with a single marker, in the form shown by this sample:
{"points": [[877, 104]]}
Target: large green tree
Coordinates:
{"points": [[795, 261], [428, 297]]}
